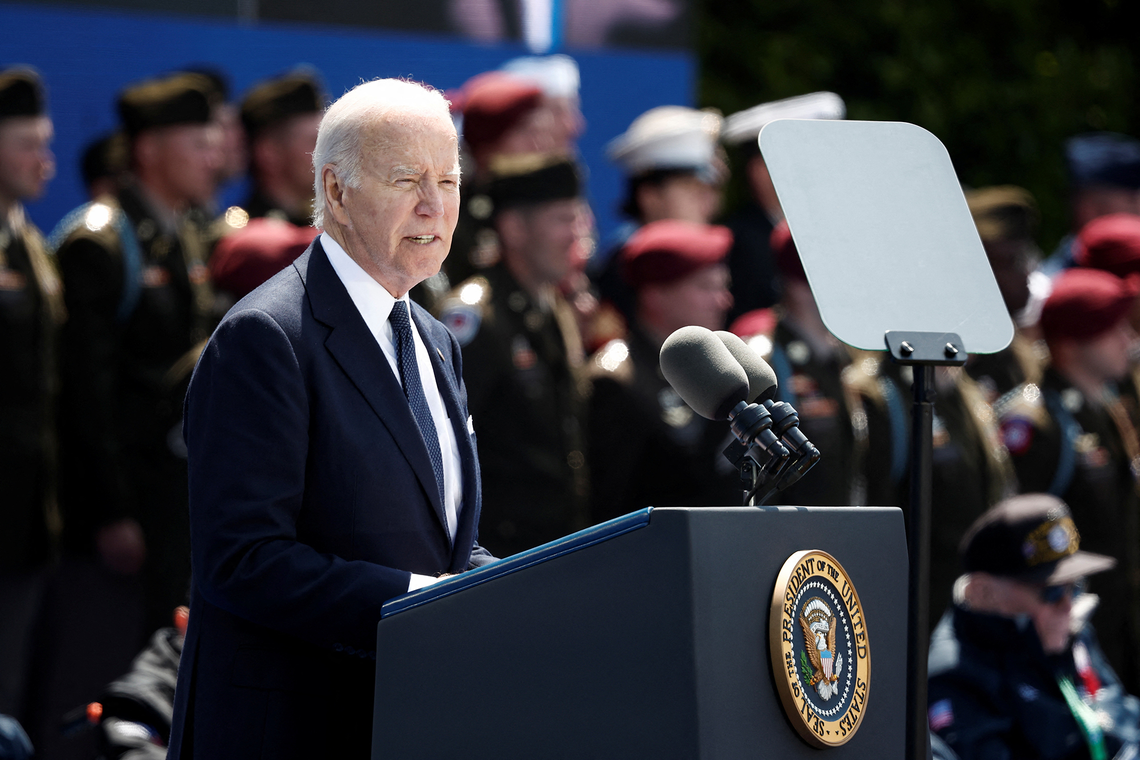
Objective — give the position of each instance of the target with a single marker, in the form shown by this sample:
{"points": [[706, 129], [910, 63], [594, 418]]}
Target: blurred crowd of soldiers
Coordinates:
{"points": [[101, 322]]}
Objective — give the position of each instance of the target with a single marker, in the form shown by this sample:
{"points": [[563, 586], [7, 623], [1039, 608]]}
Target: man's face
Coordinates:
{"points": [[1052, 620], [231, 146], [701, 298], [1107, 356], [548, 234], [397, 223], [26, 160], [1010, 262], [295, 143], [684, 197], [183, 161]]}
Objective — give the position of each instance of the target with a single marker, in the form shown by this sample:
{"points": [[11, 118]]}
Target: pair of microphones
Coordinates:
{"points": [[721, 378]]}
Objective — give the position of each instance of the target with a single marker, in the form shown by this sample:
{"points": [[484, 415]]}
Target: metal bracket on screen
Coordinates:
{"points": [[934, 349]]}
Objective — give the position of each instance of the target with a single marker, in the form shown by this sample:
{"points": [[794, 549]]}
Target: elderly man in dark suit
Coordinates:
{"points": [[332, 465]]}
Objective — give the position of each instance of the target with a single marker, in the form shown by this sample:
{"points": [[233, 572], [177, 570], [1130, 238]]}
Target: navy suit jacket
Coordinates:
{"points": [[312, 498]]}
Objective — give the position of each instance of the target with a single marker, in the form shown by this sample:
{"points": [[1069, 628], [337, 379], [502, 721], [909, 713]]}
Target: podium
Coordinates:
{"points": [[643, 637]]}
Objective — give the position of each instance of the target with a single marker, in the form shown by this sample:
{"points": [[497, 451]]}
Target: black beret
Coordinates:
{"points": [[274, 100], [176, 99], [21, 93], [530, 179]]}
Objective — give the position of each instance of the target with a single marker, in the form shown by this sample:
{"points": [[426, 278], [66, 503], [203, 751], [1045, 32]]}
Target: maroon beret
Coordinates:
{"points": [[667, 250], [753, 323], [1111, 243], [493, 102], [1086, 303], [246, 258], [787, 257]]}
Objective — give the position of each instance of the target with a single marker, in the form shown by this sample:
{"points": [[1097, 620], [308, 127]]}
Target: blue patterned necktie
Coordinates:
{"points": [[414, 390]]}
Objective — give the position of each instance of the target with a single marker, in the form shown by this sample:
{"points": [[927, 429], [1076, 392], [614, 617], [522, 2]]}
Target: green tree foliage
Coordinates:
{"points": [[1001, 82]]}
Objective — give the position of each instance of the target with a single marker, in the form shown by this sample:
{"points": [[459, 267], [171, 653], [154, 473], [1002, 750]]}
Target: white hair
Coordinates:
{"points": [[340, 138]]}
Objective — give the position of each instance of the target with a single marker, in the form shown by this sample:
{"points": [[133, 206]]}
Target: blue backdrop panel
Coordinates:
{"points": [[87, 56]]}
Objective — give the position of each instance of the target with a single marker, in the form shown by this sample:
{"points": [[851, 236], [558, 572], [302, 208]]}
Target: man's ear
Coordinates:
{"points": [[334, 196]]}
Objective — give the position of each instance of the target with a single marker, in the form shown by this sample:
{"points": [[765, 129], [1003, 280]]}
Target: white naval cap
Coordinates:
{"points": [[667, 137], [744, 126], [557, 75]]}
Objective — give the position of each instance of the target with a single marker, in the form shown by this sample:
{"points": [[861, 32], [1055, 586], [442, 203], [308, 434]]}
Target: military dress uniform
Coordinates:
{"points": [[139, 310], [812, 383], [1061, 443], [523, 366], [647, 447], [1022, 361], [31, 311], [971, 472]]}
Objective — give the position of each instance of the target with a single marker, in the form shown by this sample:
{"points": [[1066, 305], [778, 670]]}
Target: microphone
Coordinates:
{"points": [[786, 425], [785, 419], [720, 377], [761, 377], [703, 372], [709, 379]]}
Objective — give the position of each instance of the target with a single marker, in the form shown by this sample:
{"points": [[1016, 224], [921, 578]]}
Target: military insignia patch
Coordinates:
{"points": [[1017, 435], [821, 657], [462, 320]]}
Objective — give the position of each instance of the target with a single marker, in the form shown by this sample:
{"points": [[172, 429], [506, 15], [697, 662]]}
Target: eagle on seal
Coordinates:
{"points": [[820, 651]]}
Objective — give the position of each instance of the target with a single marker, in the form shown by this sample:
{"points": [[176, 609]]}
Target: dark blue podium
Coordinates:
{"points": [[643, 637]]}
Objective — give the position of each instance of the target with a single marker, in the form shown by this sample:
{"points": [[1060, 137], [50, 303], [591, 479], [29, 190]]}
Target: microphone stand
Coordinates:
{"points": [[922, 352]]}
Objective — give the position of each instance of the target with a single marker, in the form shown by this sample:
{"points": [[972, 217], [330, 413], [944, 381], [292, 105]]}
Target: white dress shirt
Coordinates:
{"points": [[375, 305]]}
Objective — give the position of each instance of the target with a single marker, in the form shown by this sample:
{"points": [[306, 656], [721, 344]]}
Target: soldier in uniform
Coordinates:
{"points": [[139, 309], [755, 283], [809, 363], [31, 310], [674, 169], [647, 447], [502, 116], [560, 81], [1112, 243], [1006, 217], [523, 361], [281, 116], [1071, 437]]}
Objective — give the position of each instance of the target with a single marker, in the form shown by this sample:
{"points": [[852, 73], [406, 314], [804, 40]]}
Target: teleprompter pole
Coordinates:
{"points": [[923, 352], [918, 545]]}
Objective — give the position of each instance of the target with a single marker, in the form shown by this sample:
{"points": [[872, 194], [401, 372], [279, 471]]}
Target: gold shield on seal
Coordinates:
{"points": [[821, 656]]}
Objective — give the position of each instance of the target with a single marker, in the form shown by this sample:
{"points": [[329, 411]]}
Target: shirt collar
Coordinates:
{"points": [[371, 298]]}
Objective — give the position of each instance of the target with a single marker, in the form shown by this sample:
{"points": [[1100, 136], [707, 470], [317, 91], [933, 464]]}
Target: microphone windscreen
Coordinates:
{"points": [[703, 372], [761, 376]]}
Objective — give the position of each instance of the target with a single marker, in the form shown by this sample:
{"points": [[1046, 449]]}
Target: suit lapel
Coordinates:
{"points": [[354, 349]]}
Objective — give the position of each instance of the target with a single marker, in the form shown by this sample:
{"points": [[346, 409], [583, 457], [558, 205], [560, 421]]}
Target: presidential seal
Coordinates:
{"points": [[821, 658]]}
